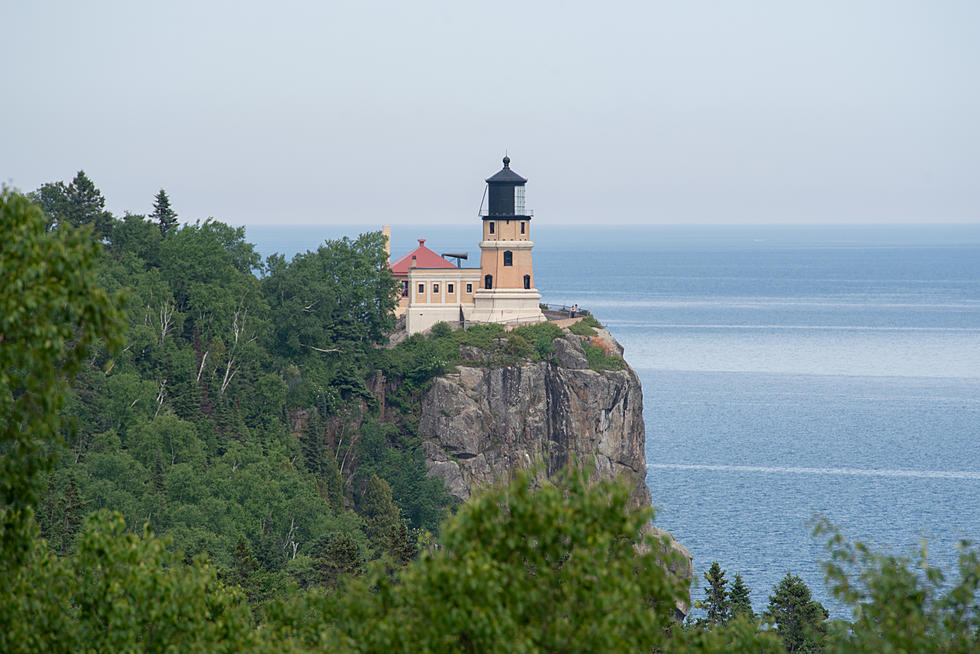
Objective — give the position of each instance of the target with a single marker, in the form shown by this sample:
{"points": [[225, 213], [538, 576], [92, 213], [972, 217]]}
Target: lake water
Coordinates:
{"points": [[787, 372]]}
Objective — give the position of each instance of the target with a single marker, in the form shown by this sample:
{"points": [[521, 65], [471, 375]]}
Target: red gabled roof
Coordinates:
{"points": [[424, 258]]}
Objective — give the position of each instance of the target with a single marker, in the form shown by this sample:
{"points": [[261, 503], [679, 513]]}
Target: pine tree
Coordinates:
{"points": [[336, 557], [247, 573], [156, 479], [87, 206], [333, 482], [72, 516], [165, 216], [800, 620], [79, 203], [400, 543], [716, 595], [738, 598], [379, 512]]}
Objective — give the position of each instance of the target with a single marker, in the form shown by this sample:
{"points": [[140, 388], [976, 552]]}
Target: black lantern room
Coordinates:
{"points": [[505, 192]]}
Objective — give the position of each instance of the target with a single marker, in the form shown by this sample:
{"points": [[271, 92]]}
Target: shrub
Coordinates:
{"points": [[517, 348], [581, 328], [480, 336], [600, 360], [441, 330], [541, 335]]}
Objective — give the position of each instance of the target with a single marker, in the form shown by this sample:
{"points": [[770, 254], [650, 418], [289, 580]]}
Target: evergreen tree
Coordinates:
{"points": [[157, 479], [333, 482], [247, 573], [79, 203], [716, 595], [400, 543], [337, 557], [165, 216], [738, 599], [380, 513], [72, 516], [800, 620]]}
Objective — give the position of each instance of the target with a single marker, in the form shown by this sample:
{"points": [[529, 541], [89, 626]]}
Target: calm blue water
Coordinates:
{"points": [[787, 372]]}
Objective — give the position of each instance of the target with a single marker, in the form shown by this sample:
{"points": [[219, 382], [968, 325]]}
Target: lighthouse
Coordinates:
{"points": [[506, 291], [501, 290]]}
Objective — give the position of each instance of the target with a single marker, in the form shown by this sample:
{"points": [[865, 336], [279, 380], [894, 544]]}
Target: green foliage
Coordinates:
{"points": [[800, 620], [541, 335], [441, 330], [739, 602], [337, 557], [481, 337], [76, 204], [581, 328], [122, 593], [378, 509], [716, 601], [902, 604], [52, 313], [599, 360], [522, 567], [342, 293], [163, 214], [382, 451]]}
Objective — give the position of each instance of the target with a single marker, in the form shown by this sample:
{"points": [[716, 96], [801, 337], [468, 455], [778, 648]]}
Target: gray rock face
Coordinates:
{"points": [[478, 424]]}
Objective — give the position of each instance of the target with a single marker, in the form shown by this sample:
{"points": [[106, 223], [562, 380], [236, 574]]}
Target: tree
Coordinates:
{"points": [[337, 557], [800, 620], [738, 599], [381, 515], [902, 603], [123, 593], [342, 293], [716, 596], [534, 565], [52, 312], [79, 203], [165, 216]]}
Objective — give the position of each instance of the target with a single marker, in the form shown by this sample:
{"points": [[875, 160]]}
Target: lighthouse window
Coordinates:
{"points": [[522, 226], [488, 281], [519, 200], [527, 281], [491, 227], [508, 258]]}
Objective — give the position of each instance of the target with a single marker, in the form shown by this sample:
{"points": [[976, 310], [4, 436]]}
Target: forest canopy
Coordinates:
{"points": [[192, 458]]}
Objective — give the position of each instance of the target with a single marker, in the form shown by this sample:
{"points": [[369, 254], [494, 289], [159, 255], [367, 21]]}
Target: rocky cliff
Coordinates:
{"points": [[481, 422]]}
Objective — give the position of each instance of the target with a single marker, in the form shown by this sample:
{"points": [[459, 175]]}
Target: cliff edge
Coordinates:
{"points": [[480, 422]]}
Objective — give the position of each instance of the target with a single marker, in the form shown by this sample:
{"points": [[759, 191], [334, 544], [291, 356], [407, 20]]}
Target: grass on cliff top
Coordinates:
{"points": [[586, 326], [419, 358], [600, 360]]}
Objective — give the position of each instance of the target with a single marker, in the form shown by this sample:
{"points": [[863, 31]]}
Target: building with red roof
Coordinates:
{"points": [[501, 290]]}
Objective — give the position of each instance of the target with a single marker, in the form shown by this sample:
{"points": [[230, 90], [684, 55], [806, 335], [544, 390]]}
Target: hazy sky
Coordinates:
{"points": [[618, 112]]}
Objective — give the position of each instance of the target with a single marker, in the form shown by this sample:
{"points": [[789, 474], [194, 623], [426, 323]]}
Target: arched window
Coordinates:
{"points": [[508, 258], [488, 282], [527, 281]]}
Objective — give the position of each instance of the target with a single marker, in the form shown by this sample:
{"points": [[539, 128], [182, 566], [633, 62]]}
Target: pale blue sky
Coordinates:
{"points": [[394, 112]]}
